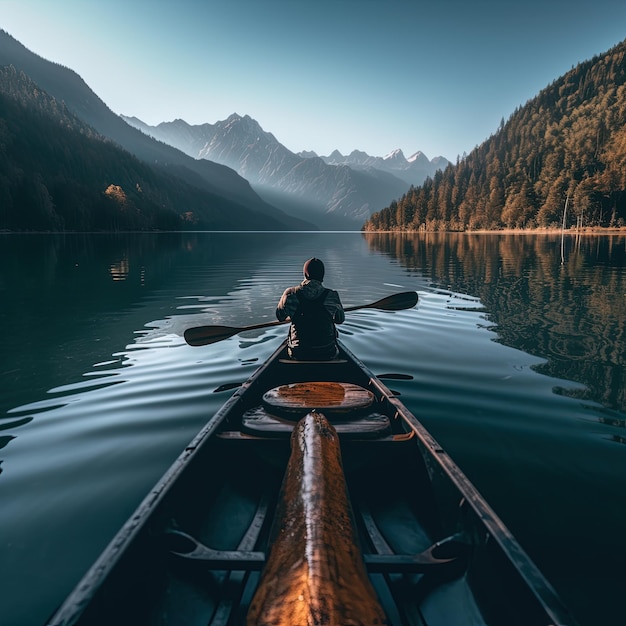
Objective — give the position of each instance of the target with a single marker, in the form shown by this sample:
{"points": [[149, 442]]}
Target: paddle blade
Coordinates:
{"points": [[204, 335], [399, 301], [396, 302]]}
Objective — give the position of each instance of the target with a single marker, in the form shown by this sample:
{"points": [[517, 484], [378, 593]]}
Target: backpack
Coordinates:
{"points": [[313, 323]]}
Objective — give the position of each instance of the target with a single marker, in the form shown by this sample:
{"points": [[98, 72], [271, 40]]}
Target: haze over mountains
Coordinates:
{"points": [[244, 176], [229, 193], [414, 170], [333, 191]]}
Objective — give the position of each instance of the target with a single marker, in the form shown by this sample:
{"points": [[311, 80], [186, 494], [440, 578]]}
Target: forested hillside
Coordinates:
{"points": [[568, 142], [57, 173]]}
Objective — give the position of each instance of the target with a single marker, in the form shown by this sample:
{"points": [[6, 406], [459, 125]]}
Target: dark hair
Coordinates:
{"points": [[314, 269]]}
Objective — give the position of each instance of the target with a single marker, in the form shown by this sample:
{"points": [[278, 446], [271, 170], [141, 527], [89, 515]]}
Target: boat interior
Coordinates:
{"points": [[433, 553]]}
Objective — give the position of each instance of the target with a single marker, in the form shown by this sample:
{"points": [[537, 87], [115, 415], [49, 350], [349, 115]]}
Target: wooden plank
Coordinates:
{"points": [[300, 362], [235, 581], [259, 423], [384, 583]]}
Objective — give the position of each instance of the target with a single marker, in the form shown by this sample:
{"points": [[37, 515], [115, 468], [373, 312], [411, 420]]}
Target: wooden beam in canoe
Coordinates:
{"points": [[315, 572]]}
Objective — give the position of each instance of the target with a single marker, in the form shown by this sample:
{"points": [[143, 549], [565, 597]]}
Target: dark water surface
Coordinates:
{"points": [[517, 351]]}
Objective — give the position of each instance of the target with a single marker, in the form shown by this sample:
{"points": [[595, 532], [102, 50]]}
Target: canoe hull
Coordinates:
{"points": [[195, 549]]}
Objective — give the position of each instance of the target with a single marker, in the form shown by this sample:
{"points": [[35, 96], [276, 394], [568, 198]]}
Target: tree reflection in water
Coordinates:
{"points": [[570, 311]]}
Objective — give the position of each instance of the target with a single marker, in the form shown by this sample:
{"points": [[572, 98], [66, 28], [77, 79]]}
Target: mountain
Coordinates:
{"points": [[58, 174], [413, 170], [561, 158], [66, 86], [331, 195]]}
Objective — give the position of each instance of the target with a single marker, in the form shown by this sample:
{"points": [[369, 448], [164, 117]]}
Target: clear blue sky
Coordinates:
{"points": [[372, 75]]}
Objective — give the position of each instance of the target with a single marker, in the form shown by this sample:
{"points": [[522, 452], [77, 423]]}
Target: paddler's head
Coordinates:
{"points": [[313, 270]]}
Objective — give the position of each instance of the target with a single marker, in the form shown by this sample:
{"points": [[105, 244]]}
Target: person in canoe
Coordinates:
{"points": [[313, 311]]}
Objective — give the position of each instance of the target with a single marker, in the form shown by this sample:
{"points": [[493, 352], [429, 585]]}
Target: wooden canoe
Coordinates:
{"points": [[313, 496]]}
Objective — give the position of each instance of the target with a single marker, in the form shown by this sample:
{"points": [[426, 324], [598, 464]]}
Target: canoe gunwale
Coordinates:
{"points": [[433, 452]]}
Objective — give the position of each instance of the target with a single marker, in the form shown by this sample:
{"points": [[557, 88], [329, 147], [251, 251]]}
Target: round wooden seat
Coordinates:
{"points": [[330, 398]]}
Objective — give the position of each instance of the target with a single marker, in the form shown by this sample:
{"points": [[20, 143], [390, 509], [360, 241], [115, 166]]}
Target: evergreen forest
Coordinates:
{"points": [[559, 159], [58, 174]]}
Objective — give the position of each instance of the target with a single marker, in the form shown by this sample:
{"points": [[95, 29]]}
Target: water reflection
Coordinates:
{"points": [[572, 313], [69, 301], [108, 393], [119, 270]]}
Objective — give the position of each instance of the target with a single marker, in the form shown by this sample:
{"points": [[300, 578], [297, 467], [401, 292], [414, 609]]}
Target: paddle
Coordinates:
{"points": [[204, 335]]}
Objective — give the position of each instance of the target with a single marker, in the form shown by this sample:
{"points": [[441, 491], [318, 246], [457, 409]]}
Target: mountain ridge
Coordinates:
{"points": [[67, 86], [413, 170], [333, 194], [58, 174]]}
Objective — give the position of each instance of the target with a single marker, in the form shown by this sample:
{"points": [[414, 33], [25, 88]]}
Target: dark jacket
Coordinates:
{"points": [[313, 311]]}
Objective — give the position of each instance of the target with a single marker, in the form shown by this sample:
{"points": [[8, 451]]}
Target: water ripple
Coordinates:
{"points": [[126, 393]]}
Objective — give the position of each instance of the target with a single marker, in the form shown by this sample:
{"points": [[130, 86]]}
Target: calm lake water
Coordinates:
{"points": [[516, 351]]}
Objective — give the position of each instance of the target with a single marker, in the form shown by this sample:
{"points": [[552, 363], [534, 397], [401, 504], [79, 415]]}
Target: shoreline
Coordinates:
{"points": [[590, 230]]}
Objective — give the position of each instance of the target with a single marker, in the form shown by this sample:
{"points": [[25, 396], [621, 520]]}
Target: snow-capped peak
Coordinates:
{"points": [[395, 155], [418, 156]]}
